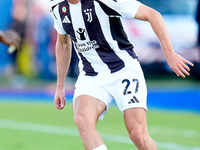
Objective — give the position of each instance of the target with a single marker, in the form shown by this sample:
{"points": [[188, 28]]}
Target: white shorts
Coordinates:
{"points": [[127, 87]]}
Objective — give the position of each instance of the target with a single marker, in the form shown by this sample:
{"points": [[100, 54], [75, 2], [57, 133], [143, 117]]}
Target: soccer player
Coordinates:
{"points": [[109, 67], [10, 37]]}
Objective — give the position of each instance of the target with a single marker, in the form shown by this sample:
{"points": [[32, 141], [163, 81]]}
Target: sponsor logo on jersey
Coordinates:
{"points": [[64, 9], [88, 12], [81, 34], [86, 46], [66, 20]]}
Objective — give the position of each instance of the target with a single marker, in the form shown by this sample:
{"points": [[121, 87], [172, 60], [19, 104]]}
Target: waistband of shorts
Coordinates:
{"points": [[130, 65]]}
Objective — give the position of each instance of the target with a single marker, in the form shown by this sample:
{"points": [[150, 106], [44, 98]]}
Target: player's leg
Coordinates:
{"points": [[87, 110], [136, 124]]}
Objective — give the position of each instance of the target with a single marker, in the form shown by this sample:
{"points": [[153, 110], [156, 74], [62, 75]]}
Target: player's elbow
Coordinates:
{"points": [[154, 15]]}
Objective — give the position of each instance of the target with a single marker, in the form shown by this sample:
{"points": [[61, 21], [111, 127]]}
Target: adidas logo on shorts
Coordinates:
{"points": [[133, 100]]}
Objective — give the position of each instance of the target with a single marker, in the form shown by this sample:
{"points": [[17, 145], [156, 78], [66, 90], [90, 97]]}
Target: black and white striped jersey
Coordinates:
{"points": [[96, 31]]}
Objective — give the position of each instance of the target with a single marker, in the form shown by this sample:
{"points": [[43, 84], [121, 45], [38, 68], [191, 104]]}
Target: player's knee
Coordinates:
{"points": [[137, 137], [82, 122], [135, 134], [79, 121]]}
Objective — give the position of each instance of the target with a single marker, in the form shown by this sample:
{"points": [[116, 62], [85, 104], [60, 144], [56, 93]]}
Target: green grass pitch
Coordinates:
{"points": [[39, 126]]}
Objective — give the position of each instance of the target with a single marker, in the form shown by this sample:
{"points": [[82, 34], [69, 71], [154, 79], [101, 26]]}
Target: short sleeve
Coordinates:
{"points": [[57, 21], [126, 8]]}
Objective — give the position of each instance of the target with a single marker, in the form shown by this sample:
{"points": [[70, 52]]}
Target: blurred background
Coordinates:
{"points": [[30, 75], [35, 65], [31, 18], [37, 57]]}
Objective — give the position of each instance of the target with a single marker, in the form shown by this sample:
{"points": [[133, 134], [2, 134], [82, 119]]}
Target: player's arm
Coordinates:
{"points": [[10, 37], [63, 57], [175, 61]]}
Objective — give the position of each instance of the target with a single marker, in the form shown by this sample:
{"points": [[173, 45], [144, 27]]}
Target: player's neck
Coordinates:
{"points": [[73, 1]]}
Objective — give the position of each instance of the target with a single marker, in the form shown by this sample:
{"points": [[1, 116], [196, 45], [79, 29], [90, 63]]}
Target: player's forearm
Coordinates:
{"points": [[63, 57], [161, 32], [156, 21]]}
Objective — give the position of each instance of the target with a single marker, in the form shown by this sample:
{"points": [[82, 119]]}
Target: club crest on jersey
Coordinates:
{"points": [[81, 34], [64, 9], [88, 12]]}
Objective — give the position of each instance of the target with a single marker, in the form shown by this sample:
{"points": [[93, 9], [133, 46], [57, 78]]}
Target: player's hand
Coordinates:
{"points": [[178, 64], [59, 99], [11, 37]]}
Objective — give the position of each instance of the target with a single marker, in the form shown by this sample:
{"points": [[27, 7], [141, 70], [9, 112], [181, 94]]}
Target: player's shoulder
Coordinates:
{"points": [[55, 2]]}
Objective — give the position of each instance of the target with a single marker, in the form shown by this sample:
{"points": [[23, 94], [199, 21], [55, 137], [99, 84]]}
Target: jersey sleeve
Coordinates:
{"points": [[124, 8], [57, 21]]}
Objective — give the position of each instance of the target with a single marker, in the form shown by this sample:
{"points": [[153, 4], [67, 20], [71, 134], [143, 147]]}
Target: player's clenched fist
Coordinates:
{"points": [[59, 99]]}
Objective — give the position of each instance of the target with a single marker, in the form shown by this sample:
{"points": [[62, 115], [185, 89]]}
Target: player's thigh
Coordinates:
{"points": [[135, 120], [90, 99], [88, 107]]}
